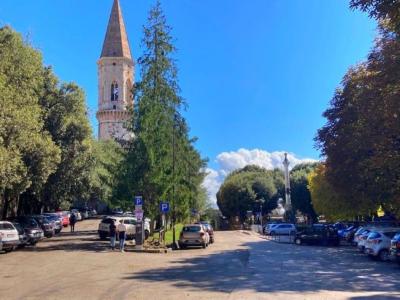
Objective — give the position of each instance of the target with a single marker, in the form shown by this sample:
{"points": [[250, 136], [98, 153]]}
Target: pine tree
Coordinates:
{"points": [[162, 163]]}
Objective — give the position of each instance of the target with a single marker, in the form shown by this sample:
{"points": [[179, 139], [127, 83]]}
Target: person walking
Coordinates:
{"points": [[113, 233], [121, 235], [72, 221]]}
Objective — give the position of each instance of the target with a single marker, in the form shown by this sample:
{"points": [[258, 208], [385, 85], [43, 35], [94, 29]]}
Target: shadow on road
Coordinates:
{"points": [[85, 240], [269, 267], [377, 297]]}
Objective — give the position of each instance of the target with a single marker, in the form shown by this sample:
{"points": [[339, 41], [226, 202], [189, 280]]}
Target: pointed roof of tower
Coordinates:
{"points": [[116, 41]]}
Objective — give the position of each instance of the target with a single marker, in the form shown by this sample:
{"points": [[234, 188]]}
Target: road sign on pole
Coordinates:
{"points": [[139, 234], [138, 200], [164, 207]]}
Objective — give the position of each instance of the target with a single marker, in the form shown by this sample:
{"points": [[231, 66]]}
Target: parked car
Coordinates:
{"points": [[9, 236], [130, 222], [210, 231], [23, 237], [282, 229], [342, 232], [117, 211], [77, 214], [362, 239], [378, 243], [268, 226], [32, 229], [193, 235], [84, 213], [47, 225], [395, 247], [57, 221], [348, 235], [317, 234], [358, 233], [65, 217]]}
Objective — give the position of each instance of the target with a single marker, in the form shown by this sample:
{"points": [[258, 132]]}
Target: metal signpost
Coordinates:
{"points": [[164, 208], [139, 234]]}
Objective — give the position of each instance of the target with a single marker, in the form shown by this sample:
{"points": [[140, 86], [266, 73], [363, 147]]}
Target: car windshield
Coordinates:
{"points": [[6, 226], [390, 234], [191, 228], [374, 235]]}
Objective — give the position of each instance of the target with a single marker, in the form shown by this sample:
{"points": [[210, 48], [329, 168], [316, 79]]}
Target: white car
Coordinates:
{"points": [[362, 238], [281, 229], [77, 214], [130, 223], [379, 241], [9, 236]]}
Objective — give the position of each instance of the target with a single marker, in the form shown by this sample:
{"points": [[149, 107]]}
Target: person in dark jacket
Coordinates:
{"points": [[72, 221], [113, 233]]}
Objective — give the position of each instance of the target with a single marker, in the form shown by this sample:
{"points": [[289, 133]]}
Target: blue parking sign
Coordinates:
{"points": [[138, 200], [164, 207]]}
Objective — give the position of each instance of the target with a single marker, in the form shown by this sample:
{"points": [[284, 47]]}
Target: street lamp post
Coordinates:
{"points": [[288, 206], [261, 201]]}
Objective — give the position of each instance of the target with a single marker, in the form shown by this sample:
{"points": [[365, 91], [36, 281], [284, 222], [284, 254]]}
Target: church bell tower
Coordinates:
{"points": [[115, 79]]}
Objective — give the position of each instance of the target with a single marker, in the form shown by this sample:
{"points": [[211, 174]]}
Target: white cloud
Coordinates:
{"points": [[230, 161]]}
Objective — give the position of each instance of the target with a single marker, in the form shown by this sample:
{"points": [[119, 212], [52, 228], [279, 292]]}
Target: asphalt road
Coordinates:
{"points": [[240, 265]]}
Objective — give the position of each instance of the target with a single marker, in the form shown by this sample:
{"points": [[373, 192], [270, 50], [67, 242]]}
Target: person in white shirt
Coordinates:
{"points": [[121, 228]]}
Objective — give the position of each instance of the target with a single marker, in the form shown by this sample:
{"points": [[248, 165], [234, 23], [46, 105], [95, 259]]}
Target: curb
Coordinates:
{"points": [[153, 251]]}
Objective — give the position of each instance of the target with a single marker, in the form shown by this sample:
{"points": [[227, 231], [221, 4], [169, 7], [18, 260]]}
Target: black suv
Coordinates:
{"points": [[31, 227], [395, 247], [318, 234], [46, 224]]}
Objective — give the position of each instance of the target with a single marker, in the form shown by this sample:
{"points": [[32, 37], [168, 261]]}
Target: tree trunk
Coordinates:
{"points": [[6, 204]]}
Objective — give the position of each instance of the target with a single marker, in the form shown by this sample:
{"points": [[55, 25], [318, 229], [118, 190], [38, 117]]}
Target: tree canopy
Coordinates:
{"points": [[361, 137], [243, 188]]}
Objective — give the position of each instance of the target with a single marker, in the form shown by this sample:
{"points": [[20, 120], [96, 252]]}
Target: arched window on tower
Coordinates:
{"points": [[114, 91]]}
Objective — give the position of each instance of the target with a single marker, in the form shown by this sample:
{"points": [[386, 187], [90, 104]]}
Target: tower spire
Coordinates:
{"points": [[116, 41]]}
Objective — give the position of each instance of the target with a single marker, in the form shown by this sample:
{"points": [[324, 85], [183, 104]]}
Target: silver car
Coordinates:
{"points": [[281, 229]]}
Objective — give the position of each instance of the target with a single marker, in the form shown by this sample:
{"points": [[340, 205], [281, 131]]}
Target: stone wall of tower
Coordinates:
{"points": [[115, 68], [113, 114]]}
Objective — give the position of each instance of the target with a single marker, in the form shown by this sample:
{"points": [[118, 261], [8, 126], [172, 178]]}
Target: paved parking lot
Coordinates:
{"points": [[240, 265]]}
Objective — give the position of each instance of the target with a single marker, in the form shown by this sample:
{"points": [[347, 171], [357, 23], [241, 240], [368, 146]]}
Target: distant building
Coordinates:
{"points": [[116, 77]]}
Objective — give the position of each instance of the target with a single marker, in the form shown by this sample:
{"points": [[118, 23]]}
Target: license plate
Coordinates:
{"points": [[10, 235]]}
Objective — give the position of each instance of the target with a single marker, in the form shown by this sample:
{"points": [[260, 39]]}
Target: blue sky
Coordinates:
{"points": [[257, 74]]}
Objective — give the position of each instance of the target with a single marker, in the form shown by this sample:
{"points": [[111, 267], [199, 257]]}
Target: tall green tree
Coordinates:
{"points": [[244, 188], [162, 163], [107, 156], [326, 201], [28, 154], [300, 194], [385, 11], [361, 137]]}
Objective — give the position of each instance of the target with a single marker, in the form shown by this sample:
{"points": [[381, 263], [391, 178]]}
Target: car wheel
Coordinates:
{"points": [[102, 236], [33, 243], [298, 241], [384, 255], [272, 233], [204, 245]]}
